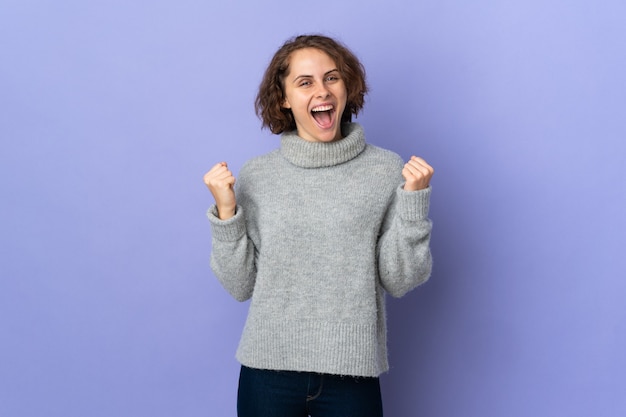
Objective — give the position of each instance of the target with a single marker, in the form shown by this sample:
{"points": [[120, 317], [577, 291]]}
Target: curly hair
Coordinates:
{"points": [[270, 98]]}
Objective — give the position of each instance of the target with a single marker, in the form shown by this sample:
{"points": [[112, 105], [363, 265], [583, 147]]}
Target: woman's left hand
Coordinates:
{"points": [[417, 174]]}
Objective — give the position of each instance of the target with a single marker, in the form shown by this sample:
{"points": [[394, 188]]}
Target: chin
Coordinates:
{"points": [[332, 134]]}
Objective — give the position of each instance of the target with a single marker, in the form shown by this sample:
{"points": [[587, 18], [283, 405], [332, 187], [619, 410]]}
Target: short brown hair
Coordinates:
{"points": [[269, 100]]}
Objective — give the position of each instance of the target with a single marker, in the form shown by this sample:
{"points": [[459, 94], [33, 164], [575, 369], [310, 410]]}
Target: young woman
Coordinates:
{"points": [[315, 233]]}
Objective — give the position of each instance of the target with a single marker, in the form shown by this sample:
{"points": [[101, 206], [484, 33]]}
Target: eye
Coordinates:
{"points": [[332, 78]]}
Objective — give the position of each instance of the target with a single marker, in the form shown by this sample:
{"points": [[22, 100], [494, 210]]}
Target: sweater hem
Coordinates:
{"points": [[312, 346]]}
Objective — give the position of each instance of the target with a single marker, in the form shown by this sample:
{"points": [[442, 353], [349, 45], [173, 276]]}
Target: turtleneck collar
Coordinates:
{"points": [[307, 154]]}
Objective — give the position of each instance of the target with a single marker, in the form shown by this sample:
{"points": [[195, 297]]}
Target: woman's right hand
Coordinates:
{"points": [[220, 182]]}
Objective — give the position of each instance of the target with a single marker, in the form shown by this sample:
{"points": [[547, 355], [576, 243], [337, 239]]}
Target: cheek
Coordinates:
{"points": [[343, 90], [290, 99], [343, 97]]}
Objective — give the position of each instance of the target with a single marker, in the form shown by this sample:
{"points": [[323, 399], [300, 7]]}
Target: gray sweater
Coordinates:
{"points": [[321, 231]]}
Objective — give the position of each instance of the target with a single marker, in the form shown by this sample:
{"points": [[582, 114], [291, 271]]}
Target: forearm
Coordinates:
{"points": [[404, 256], [233, 254]]}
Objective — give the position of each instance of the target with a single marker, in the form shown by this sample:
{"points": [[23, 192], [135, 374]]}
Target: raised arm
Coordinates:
{"points": [[404, 257], [233, 255]]}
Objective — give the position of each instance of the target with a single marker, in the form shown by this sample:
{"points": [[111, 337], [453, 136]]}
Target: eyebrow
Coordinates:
{"points": [[310, 76]]}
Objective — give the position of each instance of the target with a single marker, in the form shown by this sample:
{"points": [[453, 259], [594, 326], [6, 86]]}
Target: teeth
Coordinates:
{"points": [[323, 108]]}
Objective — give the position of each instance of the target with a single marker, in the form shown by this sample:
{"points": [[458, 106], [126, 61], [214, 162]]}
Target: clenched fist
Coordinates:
{"points": [[220, 182], [417, 174]]}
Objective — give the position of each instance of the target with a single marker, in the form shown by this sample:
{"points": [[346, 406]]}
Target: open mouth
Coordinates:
{"points": [[323, 115]]}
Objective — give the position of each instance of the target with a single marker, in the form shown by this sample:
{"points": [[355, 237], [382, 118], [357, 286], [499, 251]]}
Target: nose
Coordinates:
{"points": [[322, 91]]}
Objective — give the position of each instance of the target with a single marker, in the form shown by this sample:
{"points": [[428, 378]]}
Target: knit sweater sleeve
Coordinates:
{"points": [[404, 258], [233, 254]]}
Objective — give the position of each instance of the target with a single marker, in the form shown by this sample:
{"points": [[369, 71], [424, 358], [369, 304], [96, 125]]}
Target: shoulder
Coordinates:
{"points": [[377, 169], [259, 164], [383, 158]]}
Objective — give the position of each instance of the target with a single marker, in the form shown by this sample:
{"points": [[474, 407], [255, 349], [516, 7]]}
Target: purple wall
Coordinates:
{"points": [[111, 112]]}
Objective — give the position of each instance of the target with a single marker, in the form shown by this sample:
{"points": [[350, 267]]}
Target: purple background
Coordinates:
{"points": [[111, 112]]}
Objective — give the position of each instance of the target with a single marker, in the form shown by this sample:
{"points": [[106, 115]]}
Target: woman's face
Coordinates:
{"points": [[316, 95]]}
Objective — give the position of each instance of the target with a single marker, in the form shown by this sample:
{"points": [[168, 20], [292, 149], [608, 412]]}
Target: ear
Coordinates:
{"points": [[285, 104]]}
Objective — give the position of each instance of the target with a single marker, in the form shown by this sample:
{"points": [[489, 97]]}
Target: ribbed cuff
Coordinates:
{"points": [[227, 230], [414, 205]]}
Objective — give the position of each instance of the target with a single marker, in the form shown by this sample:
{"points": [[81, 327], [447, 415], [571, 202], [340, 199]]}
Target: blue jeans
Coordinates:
{"points": [[265, 393]]}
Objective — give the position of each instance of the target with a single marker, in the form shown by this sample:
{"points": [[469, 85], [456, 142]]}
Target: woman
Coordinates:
{"points": [[315, 233]]}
